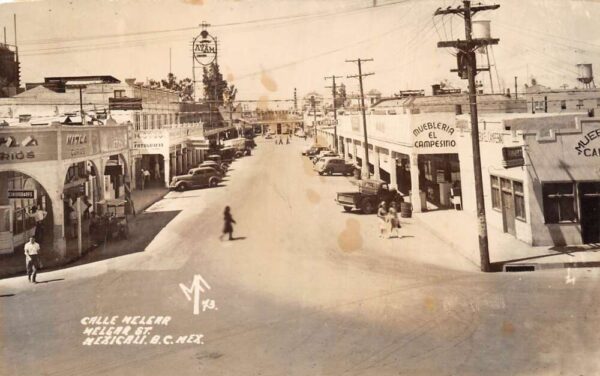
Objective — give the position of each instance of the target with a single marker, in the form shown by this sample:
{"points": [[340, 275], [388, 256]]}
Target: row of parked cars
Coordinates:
{"points": [[370, 191], [210, 172], [328, 162]]}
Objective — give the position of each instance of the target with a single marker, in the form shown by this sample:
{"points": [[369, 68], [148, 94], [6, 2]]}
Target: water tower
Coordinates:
{"points": [[586, 75], [481, 30]]}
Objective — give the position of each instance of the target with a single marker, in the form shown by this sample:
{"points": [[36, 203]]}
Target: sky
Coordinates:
{"points": [[269, 47]]}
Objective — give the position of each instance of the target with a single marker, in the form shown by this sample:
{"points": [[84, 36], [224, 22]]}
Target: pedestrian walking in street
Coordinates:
{"points": [[32, 261], [382, 214], [227, 227], [393, 220], [38, 215]]}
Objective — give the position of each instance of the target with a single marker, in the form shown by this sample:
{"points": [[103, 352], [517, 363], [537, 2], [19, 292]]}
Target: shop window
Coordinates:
{"points": [[495, 192], [119, 93], [563, 105], [539, 105], [559, 202], [519, 200], [580, 103]]}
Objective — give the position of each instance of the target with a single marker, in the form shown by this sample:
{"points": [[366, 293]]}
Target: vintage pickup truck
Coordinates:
{"points": [[370, 194]]}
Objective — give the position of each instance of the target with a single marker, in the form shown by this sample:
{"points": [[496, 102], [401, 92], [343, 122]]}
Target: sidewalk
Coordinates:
{"points": [[14, 264], [459, 230]]}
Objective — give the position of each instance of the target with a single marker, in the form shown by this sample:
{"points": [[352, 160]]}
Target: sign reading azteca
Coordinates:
{"points": [[204, 48]]}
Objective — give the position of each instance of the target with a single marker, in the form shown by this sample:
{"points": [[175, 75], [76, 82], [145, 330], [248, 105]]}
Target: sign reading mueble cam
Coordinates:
{"points": [[434, 137], [204, 48], [584, 147]]}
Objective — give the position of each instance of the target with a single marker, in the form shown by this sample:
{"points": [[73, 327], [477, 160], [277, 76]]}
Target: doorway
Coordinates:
{"points": [[508, 207], [590, 212]]}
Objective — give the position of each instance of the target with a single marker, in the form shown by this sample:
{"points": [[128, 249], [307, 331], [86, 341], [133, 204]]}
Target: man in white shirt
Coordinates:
{"points": [[32, 262]]}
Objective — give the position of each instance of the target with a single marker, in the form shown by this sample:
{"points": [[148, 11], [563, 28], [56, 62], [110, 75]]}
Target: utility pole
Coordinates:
{"points": [[312, 104], [334, 92], [466, 59], [515, 87], [360, 75]]}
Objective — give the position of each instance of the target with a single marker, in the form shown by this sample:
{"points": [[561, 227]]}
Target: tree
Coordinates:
{"points": [[341, 97], [214, 84], [184, 87]]}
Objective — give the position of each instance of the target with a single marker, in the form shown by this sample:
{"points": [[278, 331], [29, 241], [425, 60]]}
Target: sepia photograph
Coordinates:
{"points": [[299, 187]]}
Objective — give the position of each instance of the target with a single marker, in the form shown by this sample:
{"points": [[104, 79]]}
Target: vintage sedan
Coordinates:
{"points": [[196, 178]]}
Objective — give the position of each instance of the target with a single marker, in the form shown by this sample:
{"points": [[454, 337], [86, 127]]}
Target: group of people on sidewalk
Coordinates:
{"points": [[389, 221]]}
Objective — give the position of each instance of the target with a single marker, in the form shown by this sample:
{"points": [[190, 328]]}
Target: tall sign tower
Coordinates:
{"points": [[204, 51]]}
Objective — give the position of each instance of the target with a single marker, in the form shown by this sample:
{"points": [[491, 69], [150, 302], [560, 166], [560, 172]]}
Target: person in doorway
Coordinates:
{"points": [[73, 222], [227, 226], [86, 204], [38, 215], [146, 176], [143, 179], [157, 172], [32, 261], [393, 220], [382, 214]]}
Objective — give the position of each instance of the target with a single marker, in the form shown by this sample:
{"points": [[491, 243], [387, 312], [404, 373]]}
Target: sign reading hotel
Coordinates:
{"points": [[435, 136], [204, 48], [584, 146]]}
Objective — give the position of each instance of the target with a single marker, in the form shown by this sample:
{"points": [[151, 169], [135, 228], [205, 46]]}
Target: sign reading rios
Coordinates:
{"points": [[433, 136]]}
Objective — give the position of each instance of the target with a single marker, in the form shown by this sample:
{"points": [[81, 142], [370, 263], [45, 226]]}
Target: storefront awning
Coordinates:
{"points": [[565, 173]]}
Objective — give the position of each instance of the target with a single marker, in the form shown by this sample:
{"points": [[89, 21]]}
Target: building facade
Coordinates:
{"points": [[540, 171]]}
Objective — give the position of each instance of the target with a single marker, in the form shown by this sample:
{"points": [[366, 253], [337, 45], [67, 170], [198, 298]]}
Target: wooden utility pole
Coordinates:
{"points": [[466, 59], [312, 104], [360, 75], [334, 92]]}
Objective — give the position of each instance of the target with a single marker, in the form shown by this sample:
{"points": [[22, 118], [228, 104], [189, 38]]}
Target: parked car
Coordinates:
{"points": [[333, 165], [313, 150], [219, 160], [214, 165], [323, 154], [196, 178], [370, 193]]}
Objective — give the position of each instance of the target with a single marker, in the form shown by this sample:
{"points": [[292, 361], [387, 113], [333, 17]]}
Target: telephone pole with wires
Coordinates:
{"points": [[334, 92], [467, 69], [360, 75]]}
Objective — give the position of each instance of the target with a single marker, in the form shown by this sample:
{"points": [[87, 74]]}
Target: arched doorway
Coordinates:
{"points": [[116, 176], [81, 193], [19, 195]]}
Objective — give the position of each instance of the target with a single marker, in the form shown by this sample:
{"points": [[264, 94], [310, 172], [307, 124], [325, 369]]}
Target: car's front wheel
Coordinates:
{"points": [[213, 182], [182, 187]]}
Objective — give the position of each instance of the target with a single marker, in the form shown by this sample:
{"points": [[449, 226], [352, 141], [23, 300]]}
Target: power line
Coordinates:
{"points": [[222, 25]]}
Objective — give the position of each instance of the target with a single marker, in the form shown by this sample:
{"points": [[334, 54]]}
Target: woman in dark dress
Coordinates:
{"points": [[227, 227]]}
